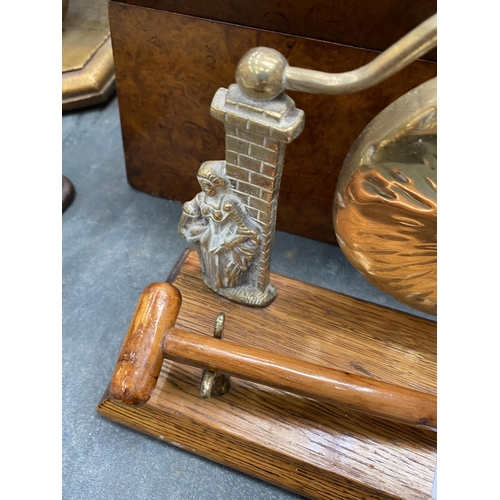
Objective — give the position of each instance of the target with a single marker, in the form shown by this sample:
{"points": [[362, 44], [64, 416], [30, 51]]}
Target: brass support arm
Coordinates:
{"points": [[406, 50], [264, 73]]}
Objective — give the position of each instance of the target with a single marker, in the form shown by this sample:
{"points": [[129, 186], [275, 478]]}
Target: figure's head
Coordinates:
{"points": [[212, 177]]}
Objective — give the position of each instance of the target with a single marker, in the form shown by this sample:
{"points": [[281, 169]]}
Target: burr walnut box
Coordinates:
{"points": [[171, 57]]}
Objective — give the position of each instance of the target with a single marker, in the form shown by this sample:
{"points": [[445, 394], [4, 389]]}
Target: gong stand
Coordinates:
{"points": [[323, 394]]}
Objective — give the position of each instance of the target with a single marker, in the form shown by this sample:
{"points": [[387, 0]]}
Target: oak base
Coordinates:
{"points": [[314, 449]]}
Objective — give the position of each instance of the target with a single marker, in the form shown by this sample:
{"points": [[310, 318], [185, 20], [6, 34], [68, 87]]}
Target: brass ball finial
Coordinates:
{"points": [[260, 73]]}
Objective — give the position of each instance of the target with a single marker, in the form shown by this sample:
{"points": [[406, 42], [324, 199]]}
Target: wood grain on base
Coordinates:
{"points": [[312, 448]]}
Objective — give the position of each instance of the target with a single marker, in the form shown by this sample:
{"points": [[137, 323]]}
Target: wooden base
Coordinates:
{"points": [[314, 449]]}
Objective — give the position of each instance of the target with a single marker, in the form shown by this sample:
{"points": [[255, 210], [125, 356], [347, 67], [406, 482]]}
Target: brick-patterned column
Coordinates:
{"points": [[257, 132]]}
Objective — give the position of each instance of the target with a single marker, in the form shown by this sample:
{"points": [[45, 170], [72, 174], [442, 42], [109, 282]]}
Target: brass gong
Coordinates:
{"points": [[385, 204]]}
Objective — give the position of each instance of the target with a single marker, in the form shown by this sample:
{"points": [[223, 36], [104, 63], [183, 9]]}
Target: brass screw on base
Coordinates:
{"points": [[212, 383]]}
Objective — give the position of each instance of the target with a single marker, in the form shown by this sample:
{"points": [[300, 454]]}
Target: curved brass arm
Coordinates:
{"points": [[406, 50], [264, 73]]}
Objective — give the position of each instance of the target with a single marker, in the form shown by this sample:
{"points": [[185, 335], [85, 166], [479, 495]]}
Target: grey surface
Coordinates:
{"points": [[116, 241]]}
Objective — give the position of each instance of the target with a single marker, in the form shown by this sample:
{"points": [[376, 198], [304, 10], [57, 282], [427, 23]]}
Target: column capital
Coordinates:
{"points": [[278, 118]]}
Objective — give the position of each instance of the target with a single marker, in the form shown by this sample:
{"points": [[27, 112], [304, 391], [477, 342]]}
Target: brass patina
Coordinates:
{"points": [[213, 383], [232, 221], [87, 57], [224, 234]]}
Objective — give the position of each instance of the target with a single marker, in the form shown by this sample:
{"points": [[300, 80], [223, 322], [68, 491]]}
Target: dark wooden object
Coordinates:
{"points": [[168, 67], [68, 193], [316, 449], [371, 25]]}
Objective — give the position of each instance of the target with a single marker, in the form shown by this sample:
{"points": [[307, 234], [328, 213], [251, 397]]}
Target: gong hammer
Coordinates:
{"points": [[152, 336]]}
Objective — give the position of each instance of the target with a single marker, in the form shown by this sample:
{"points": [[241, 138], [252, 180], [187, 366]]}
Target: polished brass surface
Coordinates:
{"points": [[406, 50], [87, 56], [213, 383], [91, 85], [219, 326], [84, 30], [385, 205], [263, 73], [260, 73]]}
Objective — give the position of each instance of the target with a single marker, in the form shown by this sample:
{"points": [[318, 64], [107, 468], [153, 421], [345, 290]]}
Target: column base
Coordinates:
{"points": [[247, 295]]}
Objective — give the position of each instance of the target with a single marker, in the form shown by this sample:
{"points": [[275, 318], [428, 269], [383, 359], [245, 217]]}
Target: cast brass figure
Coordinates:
{"points": [[236, 262], [225, 236]]}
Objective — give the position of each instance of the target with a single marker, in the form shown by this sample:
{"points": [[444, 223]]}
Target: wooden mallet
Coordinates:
{"points": [[152, 336]]}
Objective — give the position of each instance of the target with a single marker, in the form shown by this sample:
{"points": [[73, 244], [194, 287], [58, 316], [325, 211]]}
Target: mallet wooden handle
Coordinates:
{"points": [[152, 336], [140, 359], [303, 378]]}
